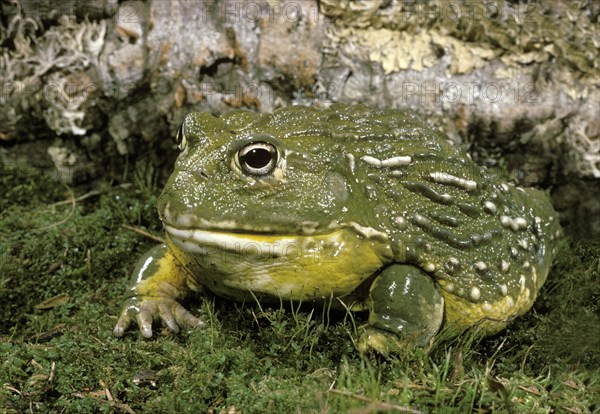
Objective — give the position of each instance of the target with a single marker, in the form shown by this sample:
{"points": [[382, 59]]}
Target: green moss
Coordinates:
{"points": [[279, 359]]}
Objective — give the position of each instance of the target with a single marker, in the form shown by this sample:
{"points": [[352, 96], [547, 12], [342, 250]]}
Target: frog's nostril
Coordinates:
{"points": [[200, 173]]}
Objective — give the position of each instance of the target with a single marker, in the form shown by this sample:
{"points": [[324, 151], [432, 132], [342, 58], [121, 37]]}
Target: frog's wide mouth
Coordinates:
{"points": [[204, 242], [263, 243]]}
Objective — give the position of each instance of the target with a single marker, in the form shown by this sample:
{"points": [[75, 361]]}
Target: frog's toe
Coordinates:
{"points": [[174, 316], [145, 317], [145, 311], [167, 318], [126, 317], [185, 317], [120, 328]]}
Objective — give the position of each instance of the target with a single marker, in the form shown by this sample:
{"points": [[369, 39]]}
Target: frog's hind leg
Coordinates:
{"points": [[405, 307]]}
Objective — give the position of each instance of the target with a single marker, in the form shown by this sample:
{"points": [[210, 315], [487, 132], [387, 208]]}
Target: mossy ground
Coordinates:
{"points": [[61, 241]]}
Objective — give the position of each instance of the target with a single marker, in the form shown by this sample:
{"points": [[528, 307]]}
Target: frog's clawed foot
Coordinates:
{"points": [[380, 342], [144, 310]]}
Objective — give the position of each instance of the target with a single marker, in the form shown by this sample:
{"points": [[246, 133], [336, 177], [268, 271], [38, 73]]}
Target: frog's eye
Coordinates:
{"points": [[180, 138], [258, 158]]}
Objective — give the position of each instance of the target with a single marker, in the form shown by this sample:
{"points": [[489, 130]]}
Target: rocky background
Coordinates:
{"points": [[89, 87]]}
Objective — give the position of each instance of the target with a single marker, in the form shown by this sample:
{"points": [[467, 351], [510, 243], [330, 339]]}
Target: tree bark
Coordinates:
{"points": [[517, 82]]}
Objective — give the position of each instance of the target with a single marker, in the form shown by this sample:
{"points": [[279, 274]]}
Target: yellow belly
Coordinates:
{"points": [[290, 267]]}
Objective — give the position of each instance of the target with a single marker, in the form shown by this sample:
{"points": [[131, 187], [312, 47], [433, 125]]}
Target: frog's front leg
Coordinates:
{"points": [[160, 281], [405, 308]]}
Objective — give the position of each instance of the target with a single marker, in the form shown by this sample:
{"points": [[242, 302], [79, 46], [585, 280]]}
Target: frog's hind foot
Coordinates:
{"points": [[406, 310]]}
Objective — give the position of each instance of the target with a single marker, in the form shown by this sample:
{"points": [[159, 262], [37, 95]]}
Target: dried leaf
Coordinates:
{"points": [[54, 302], [497, 387], [571, 384], [532, 390]]}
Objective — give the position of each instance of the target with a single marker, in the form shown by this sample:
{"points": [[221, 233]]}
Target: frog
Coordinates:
{"points": [[372, 210]]}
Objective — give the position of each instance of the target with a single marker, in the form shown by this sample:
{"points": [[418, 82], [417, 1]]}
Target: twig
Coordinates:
{"points": [[13, 389], [144, 233], [376, 404], [88, 195], [73, 202], [80, 198], [52, 371], [531, 390], [107, 394]]}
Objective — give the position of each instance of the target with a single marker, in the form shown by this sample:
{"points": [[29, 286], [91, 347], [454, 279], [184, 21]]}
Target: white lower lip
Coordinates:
{"points": [[194, 240]]}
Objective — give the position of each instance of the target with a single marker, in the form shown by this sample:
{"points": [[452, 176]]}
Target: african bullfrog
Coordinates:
{"points": [[369, 208]]}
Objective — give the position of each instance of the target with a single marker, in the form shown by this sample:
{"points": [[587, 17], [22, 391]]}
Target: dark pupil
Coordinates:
{"points": [[257, 158]]}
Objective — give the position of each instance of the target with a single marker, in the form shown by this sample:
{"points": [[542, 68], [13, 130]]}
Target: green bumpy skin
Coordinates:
{"points": [[369, 207]]}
